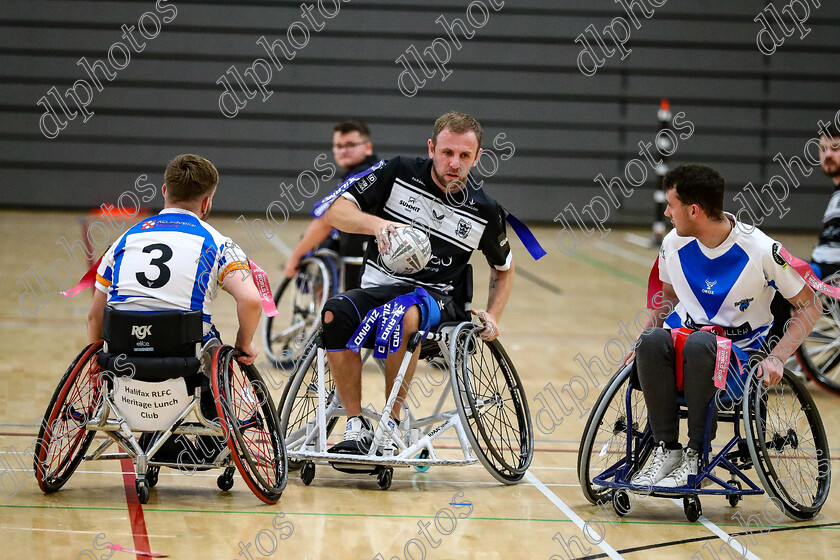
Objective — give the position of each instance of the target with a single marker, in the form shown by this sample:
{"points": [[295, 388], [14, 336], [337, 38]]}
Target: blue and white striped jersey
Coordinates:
{"points": [[730, 286], [172, 260]]}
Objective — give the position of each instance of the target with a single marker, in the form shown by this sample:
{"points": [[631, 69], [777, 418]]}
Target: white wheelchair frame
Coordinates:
{"points": [[417, 448]]}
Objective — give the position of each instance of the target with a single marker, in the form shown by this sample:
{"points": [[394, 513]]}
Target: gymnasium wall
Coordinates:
{"points": [[521, 74]]}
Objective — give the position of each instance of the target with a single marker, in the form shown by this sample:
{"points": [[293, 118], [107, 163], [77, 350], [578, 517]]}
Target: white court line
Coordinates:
{"points": [[82, 532], [623, 253], [723, 535], [639, 240], [284, 249], [575, 518]]}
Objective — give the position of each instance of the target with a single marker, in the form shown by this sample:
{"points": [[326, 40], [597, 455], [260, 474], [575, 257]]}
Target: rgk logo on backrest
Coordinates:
{"points": [[140, 331]]}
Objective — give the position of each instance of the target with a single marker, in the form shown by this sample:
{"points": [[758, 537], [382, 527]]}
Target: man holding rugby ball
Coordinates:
{"points": [[437, 197]]}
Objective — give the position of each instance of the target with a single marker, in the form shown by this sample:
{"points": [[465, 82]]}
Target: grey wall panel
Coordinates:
{"points": [[518, 75]]}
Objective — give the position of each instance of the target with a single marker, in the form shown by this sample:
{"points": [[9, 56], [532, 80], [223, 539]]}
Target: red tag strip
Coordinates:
{"points": [[722, 354], [259, 276], [86, 282]]}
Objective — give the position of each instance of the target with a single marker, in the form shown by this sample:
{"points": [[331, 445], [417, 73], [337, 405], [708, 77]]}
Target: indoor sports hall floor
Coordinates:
{"points": [[561, 306]]}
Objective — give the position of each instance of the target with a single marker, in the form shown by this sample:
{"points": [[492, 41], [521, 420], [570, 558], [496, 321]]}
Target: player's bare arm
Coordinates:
{"points": [[316, 232], [95, 315], [807, 311], [346, 216], [501, 284], [248, 311]]}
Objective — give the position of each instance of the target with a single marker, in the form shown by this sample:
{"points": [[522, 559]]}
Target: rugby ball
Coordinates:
{"points": [[410, 250]]}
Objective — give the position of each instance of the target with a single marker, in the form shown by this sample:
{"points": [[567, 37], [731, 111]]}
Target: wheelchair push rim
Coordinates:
{"points": [[604, 444], [250, 420], [63, 437], [788, 445], [492, 404], [299, 300]]}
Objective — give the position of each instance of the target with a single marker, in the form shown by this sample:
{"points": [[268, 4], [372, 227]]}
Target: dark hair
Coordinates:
{"points": [[697, 184], [459, 123], [346, 127], [832, 130], [189, 177]]}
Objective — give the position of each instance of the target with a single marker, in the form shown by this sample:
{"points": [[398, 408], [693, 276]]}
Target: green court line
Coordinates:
{"points": [[606, 267], [387, 516]]}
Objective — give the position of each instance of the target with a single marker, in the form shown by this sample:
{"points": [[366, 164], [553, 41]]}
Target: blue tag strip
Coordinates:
{"points": [[387, 320], [531, 244], [325, 202]]}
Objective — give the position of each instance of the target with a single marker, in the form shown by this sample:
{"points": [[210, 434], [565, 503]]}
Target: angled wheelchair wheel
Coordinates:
{"points": [[63, 439], [299, 301], [819, 353], [492, 405], [788, 445], [244, 403], [298, 406], [604, 441]]}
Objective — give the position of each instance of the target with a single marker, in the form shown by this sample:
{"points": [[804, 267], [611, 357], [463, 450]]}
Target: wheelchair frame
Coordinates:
{"points": [[740, 453], [102, 415], [308, 443]]}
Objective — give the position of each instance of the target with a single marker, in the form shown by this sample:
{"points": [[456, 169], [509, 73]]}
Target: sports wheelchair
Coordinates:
{"points": [[783, 440], [300, 300], [150, 375], [491, 420]]}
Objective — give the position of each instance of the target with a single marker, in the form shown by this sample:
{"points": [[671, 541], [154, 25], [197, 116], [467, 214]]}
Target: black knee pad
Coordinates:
{"points": [[345, 321]]}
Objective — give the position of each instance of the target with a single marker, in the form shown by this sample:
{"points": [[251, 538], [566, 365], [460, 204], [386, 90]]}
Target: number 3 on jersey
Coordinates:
{"points": [[157, 261]]}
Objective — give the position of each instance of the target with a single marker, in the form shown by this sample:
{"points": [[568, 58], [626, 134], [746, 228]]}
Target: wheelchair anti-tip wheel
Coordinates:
{"points": [[299, 301], [604, 439], [299, 404], [249, 417], [63, 439], [819, 353], [788, 445], [491, 404]]}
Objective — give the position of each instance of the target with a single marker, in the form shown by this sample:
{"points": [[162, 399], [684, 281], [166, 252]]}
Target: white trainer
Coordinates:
{"points": [[385, 443], [661, 464], [688, 466]]}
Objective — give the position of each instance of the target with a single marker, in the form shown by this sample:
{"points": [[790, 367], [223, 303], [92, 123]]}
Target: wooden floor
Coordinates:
{"points": [[561, 306]]}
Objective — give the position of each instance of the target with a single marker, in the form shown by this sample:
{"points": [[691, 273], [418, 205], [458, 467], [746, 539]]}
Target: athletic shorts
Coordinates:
{"points": [[365, 299]]}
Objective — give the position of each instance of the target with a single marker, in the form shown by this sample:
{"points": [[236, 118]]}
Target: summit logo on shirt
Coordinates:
{"points": [[709, 285]]}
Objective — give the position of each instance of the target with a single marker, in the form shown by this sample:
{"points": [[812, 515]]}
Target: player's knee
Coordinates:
{"points": [[411, 320], [699, 344], [340, 319], [653, 340]]}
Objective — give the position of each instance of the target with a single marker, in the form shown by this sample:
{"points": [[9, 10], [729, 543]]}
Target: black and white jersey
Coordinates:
{"points": [[403, 190], [827, 249]]}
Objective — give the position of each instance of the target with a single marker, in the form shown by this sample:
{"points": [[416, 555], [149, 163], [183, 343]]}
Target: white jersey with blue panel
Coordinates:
{"points": [[730, 286], [172, 260]]}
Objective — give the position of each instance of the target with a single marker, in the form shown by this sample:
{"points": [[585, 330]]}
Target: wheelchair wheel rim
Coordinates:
{"points": [[506, 437], [604, 442], [63, 439], [789, 445], [253, 432], [299, 403]]}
